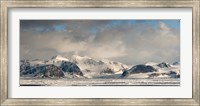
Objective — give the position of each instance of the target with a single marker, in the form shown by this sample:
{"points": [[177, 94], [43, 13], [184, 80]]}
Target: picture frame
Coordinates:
{"points": [[4, 66]]}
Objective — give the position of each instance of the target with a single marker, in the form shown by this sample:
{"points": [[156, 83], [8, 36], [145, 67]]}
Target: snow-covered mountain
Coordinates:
{"points": [[87, 67], [59, 58], [92, 67], [57, 66], [164, 65], [56, 60], [76, 65], [152, 70]]}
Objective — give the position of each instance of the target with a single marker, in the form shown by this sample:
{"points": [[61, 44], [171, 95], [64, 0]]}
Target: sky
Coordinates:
{"points": [[127, 41]]}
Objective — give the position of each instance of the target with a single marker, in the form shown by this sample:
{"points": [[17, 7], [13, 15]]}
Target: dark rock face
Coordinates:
{"points": [[41, 71], [138, 69], [178, 76], [173, 74], [49, 71], [26, 68], [141, 69], [125, 74], [155, 74], [176, 63], [24, 65], [107, 71], [71, 68], [163, 65], [52, 70]]}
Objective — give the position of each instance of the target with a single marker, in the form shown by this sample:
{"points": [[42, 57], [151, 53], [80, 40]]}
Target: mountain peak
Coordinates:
{"points": [[59, 57]]}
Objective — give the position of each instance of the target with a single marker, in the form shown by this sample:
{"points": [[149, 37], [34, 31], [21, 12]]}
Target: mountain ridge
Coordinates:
{"points": [[87, 67]]}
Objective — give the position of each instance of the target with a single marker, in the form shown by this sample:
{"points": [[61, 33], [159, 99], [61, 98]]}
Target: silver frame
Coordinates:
{"points": [[6, 4]]}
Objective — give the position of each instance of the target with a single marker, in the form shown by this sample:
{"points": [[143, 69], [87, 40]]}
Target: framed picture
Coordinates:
{"points": [[99, 52]]}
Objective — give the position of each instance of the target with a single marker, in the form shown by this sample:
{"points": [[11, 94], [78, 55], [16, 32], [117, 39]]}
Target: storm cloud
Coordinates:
{"points": [[126, 41]]}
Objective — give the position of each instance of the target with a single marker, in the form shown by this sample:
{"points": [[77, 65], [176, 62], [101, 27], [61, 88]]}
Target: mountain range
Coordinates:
{"points": [[87, 67]]}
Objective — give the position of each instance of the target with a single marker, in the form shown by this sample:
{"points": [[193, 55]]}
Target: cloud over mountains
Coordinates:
{"points": [[127, 41]]}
